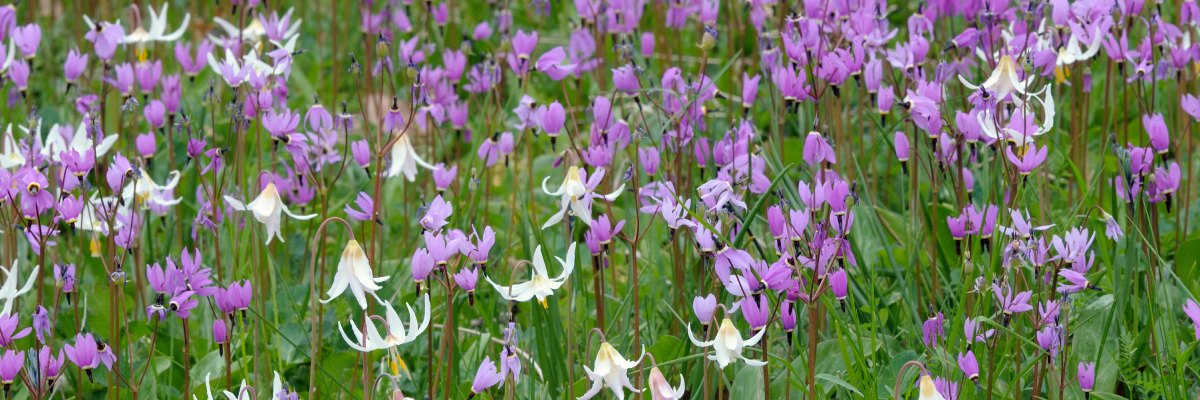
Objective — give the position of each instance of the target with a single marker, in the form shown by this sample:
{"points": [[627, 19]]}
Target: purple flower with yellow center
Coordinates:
{"points": [[486, 377]]}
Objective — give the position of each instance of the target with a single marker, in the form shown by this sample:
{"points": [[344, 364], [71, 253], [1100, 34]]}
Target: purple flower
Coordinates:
{"points": [[523, 45], [486, 376], [41, 323], [838, 284], [49, 365], [1191, 105], [19, 73], [366, 208], [436, 215], [817, 150], [553, 116], [625, 80], [467, 278], [902, 151], [443, 178], [647, 45], [704, 307], [219, 331], [182, 303], [75, 65], [193, 65], [145, 145], [1077, 282], [787, 317], [27, 38], [1011, 304], [64, 277], [84, 353], [154, 113], [1031, 157], [8, 330], [1086, 374], [362, 152], [756, 312], [551, 63], [105, 38], [1156, 129], [932, 329], [1050, 339], [10, 366], [1193, 311], [422, 264], [969, 365], [148, 75]]}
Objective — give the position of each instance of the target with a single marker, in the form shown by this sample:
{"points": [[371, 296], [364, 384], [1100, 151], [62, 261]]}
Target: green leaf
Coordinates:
{"points": [[839, 382]]}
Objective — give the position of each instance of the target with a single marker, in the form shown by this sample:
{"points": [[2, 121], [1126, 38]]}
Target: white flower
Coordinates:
{"points": [[987, 122], [267, 208], [158, 28], [250, 34], [612, 370], [660, 389], [396, 333], [238, 71], [1002, 82], [354, 272], [541, 285], [149, 192], [928, 390], [243, 392], [577, 196], [90, 219], [1072, 53], [728, 344], [8, 290], [405, 160], [10, 153], [9, 56], [81, 142]]}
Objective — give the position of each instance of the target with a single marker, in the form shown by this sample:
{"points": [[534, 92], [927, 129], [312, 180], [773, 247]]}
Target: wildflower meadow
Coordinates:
{"points": [[653, 199]]}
